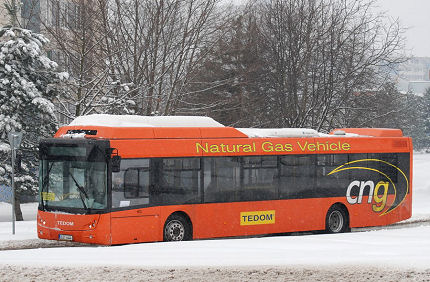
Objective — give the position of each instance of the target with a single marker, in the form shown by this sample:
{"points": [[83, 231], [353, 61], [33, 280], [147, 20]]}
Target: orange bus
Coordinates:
{"points": [[127, 179]]}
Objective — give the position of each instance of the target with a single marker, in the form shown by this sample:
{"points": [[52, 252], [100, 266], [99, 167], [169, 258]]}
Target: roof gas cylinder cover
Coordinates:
{"points": [[144, 121]]}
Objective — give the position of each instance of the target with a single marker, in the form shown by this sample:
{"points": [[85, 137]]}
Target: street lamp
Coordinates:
{"points": [[14, 141]]}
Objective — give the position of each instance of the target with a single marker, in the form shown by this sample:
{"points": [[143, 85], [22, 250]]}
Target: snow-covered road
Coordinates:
{"points": [[404, 248]]}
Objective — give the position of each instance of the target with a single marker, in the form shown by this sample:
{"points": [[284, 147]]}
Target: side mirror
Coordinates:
{"points": [[116, 164]]}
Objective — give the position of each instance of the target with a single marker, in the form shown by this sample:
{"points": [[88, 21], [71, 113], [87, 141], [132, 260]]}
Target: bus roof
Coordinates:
{"points": [[374, 132], [184, 127], [144, 121]]}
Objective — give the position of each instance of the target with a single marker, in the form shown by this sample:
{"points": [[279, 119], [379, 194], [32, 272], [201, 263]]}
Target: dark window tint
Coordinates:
{"points": [[222, 179], [361, 161], [177, 181], [136, 183], [164, 181], [328, 184], [297, 176], [260, 178], [387, 164]]}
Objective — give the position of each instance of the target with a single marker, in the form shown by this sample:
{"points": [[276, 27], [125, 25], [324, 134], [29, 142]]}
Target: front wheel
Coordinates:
{"points": [[336, 220], [177, 229]]}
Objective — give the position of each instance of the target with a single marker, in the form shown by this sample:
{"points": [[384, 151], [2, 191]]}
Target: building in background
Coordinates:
{"points": [[414, 75], [4, 18], [35, 14], [29, 13]]}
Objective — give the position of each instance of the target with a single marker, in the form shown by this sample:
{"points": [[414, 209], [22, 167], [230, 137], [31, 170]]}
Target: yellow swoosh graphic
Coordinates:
{"points": [[342, 168]]}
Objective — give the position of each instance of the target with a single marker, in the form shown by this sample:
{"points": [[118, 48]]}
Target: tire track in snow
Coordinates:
{"points": [[409, 223]]}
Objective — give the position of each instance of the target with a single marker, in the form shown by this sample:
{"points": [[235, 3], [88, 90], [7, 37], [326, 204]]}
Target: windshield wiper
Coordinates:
{"points": [[82, 191]]}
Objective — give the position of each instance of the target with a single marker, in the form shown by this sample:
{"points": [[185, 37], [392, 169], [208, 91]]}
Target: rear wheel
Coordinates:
{"points": [[177, 228], [336, 220]]}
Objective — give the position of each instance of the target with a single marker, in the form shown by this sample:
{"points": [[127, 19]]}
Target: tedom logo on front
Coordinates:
{"points": [[377, 191]]}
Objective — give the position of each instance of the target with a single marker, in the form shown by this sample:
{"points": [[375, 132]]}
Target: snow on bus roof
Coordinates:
{"points": [[144, 121], [279, 132], [194, 121]]}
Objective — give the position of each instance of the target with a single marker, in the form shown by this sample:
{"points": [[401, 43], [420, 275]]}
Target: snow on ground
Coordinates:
{"points": [[28, 211], [399, 253], [404, 248], [421, 186]]}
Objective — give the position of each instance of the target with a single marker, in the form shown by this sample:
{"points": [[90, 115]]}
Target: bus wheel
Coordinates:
{"points": [[336, 220], [177, 229]]}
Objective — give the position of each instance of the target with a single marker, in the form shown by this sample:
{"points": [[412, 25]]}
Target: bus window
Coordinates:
{"points": [[359, 174], [389, 170], [130, 186], [131, 183], [260, 178], [96, 178], [177, 181], [222, 179], [297, 176], [136, 183], [330, 185]]}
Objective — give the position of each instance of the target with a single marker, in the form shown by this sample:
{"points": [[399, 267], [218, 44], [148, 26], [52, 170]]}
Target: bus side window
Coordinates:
{"points": [[131, 183], [260, 178], [222, 179], [136, 183], [297, 176], [330, 185], [389, 158], [130, 186], [177, 181]]}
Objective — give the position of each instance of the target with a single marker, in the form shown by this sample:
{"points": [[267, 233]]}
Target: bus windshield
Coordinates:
{"points": [[71, 179]]}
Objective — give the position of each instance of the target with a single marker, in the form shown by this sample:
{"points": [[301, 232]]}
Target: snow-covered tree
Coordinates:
{"points": [[420, 128], [28, 83]]}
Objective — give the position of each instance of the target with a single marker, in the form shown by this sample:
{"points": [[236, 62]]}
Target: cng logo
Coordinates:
{"points": [[378, 193], [257, 217], [375, 196]]}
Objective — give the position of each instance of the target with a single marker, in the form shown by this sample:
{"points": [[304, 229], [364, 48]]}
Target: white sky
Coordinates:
{"points": [[414, 15]]}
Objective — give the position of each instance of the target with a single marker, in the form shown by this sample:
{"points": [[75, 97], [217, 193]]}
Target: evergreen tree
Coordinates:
{"points": [[28, 83], [425, 118]]}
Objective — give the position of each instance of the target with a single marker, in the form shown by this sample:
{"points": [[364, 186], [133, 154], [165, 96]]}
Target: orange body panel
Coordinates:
{"points": [[213, 220], [93, 229], [150, 148], [224, 219], [138, 225]]}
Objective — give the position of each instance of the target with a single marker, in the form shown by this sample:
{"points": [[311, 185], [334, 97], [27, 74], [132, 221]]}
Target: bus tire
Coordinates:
{"points": [[177, 228], [336, 220]]}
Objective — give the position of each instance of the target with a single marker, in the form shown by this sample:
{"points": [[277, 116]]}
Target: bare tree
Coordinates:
{"points": [[322, 53], [76, 29], [275, 63], [156, 46], [229, 85], [296, 63], [384, 107]]}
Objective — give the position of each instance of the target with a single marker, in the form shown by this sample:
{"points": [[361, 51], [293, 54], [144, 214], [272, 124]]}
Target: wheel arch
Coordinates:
{"points": [[185, 216], [345, 209]]}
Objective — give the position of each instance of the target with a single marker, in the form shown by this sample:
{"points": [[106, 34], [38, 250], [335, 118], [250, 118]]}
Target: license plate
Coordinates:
{"points": [[65, 237]]}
